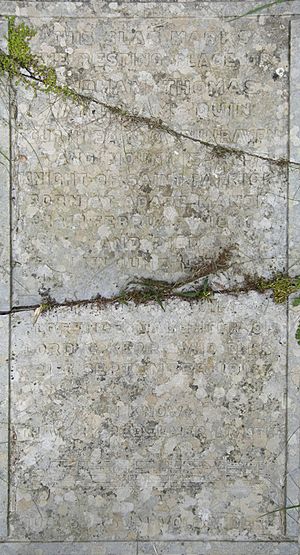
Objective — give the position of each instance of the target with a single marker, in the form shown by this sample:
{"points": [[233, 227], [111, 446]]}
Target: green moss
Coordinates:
{"points": [[296, 302], [298, 334], [22, 64], [282, 286]]}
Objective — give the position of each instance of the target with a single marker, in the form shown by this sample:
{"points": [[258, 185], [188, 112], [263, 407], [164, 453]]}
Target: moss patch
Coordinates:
{"points": [[20, 63], [281, 285]]}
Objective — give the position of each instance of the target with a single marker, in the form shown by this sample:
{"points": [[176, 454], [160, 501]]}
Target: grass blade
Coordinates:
{"points": [[189, 294], [260, 8], [282, 509], [159, 302]]}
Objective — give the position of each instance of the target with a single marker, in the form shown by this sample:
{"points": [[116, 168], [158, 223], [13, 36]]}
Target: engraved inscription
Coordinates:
{"points": [[111, 198], [140, 421]]}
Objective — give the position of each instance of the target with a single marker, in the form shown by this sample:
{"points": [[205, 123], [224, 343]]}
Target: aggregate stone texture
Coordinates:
{"points": [[151, 548], [4, 188], [82, 548], [132, 429], [99, 199], [137, 422], [4, 370]]}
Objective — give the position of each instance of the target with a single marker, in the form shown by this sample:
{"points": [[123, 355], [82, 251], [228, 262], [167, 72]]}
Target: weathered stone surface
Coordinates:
{"points": [[218, 548], [134, 422], [293, 369], [4, 186], [4, 371], [151, 548], [90, 8], [57, 548], [294, 176], [293, 421], [98, 200]]}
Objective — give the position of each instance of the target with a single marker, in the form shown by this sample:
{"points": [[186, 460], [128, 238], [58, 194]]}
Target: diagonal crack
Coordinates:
{"points": [[159, 124], [156, 123], [66, 92]]}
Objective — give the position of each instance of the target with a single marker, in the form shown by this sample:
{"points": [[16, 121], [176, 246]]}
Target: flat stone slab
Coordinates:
{"points": [[133, 422], [99, 199], [132, 430]]}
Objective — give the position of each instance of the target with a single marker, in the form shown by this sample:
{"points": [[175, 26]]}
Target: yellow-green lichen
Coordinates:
{"points": [[22, 64], [282, 286]]}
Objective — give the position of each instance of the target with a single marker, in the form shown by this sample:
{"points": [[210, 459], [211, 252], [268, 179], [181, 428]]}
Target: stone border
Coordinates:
{"points": [[294, 153], [143, 8], [76, 548], [217, 548], [293, 363], [4, 409], [151, 548], [4, 188]]}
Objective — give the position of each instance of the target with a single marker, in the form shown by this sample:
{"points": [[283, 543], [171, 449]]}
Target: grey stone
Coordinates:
{"points": [[293, 466], [133, 422], [4, 371], [98, 200], [218, 548], [294, 174], [293, 421], [57, 548], [4, 187], [89, 8], [151, 548]]}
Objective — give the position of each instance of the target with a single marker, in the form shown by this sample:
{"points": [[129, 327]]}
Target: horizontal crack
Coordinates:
{"points": [[149, 291], [193, 287]]}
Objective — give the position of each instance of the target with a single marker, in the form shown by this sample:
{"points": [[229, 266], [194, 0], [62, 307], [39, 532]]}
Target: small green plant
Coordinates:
{"points": [[282, 286], [145, 290], [20, 63], [296, 302]]}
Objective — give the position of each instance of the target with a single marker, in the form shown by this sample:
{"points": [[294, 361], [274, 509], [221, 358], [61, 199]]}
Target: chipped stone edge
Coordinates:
{"points": [[4, 187], [4, 407], [293, 362]]}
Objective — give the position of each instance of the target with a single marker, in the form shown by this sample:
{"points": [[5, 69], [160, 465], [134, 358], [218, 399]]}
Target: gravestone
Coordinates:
{"points": [[155, 428]]}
